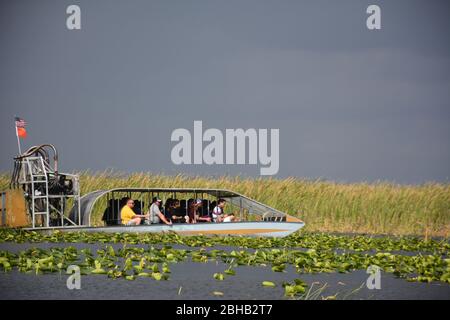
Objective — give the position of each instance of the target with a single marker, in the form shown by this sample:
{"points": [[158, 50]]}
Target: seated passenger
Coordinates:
{"points": [[155, 214], [128, 216], [193, 206], [174, 213], [191, 212], [167, 209], [201, 217], [219, 215]]}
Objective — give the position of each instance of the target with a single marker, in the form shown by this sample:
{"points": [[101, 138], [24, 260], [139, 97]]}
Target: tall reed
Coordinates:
{"points": [[375, 208]]}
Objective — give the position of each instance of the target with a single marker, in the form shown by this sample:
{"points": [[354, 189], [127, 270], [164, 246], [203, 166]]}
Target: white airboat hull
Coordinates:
{"points": [[251, 229]]}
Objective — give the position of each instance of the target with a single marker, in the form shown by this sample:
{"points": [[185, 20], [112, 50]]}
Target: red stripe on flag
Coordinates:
{"points": [[21, 132]]}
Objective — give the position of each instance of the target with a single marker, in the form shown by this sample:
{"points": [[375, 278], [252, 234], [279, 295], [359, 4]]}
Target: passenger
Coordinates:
{"points": [[201, 217], [193, 206], [128, 216], [219, 215], [155, 214], [174, 212], [190, 217], [167, 208]]}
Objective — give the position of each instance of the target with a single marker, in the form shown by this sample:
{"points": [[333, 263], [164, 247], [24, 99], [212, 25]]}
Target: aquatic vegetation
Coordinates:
{"points": [[296, 288], [268, 284], [151, 257], [317, 241], [325, 254], [219, 276]]}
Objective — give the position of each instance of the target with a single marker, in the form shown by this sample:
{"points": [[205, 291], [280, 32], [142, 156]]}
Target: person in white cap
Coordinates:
{"points": [[155, 214]]}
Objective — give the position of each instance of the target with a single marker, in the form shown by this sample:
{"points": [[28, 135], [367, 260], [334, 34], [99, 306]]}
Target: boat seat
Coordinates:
{"points": [[265, 216], [183, 204], [269, 216], [205, 212]]}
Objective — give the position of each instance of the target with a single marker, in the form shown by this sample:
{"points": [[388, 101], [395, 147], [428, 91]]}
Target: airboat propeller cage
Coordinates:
{"points": [[47, 193], [252, 207]]}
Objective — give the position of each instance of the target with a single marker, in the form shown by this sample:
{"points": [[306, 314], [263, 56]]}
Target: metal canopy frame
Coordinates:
{"points": [[33, 177], [253, 207]]}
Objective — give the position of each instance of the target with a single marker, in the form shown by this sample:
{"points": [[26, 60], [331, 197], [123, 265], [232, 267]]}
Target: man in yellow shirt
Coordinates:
{"points": [[129, 217]]}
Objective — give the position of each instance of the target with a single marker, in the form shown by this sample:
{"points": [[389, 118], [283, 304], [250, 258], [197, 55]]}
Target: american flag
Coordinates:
{"points": [[20, 123]]}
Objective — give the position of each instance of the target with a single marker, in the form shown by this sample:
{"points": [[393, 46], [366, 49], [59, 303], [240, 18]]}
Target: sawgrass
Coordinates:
{"points": [[374, 208]]}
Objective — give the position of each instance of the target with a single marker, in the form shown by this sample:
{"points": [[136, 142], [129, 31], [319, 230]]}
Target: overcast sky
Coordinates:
{"points": [[351, 104]]}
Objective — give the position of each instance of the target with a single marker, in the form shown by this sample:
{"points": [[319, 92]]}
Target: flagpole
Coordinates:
{"points": [[17, 135]]}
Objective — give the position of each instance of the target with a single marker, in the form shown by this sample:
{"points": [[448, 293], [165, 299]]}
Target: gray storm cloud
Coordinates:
{"points": [[351, 104]]}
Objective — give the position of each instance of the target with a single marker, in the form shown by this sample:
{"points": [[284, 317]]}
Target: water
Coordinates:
{"points": [[196, 282]]}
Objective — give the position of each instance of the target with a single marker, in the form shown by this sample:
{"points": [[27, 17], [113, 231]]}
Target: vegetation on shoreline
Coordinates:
{"points": [[377, 208]]}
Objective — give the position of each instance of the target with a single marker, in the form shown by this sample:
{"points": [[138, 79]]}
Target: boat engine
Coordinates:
{"points": [[48, 194]]}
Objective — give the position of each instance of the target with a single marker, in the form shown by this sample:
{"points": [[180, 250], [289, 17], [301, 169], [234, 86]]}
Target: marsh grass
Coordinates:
{"points": [[375, 208]]}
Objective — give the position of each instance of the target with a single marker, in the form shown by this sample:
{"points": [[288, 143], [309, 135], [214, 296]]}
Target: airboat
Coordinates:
{"points": [[41, 198]]}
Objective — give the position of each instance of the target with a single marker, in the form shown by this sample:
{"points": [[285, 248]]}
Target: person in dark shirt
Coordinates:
{"points": [[173, 211], [193, 216]]}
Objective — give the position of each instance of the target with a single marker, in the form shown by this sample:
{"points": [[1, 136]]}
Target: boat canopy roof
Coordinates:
{"points": [[219, 193]]}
